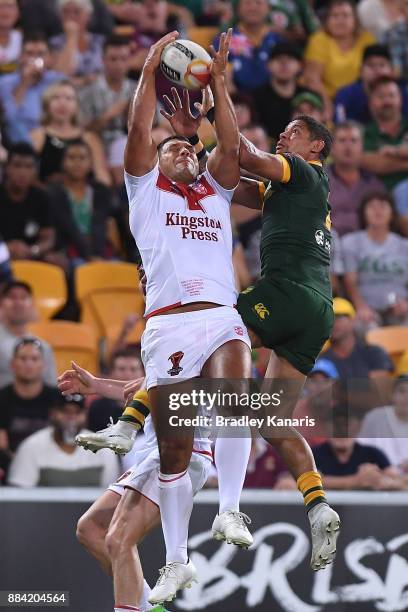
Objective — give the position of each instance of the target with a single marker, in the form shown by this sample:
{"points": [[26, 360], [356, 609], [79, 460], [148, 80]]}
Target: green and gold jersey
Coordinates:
{"points": [[296, 238]]}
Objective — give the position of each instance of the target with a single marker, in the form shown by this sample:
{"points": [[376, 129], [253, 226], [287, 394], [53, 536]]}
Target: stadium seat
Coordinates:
{"points": [[133, 338], [203, 35], [393, 339], [70, 342], [108, 292], [48, 284], [402, 365]]}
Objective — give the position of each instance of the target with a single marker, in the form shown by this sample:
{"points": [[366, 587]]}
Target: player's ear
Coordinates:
{"points": [[317, 146]]}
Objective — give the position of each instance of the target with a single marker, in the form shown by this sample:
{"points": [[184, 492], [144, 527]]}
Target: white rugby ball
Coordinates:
{"points": [[186, 64]]}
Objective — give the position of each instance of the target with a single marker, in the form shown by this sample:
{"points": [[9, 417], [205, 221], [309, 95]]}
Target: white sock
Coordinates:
{"points": [[125, 428], [144, 604], [176, 505], [231, 459]]}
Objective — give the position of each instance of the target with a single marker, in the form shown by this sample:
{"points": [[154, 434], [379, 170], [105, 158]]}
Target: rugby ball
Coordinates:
{"points": [[186, 64]]}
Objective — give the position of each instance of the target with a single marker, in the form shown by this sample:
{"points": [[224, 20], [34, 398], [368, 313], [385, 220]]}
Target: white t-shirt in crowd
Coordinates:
{"points": [[384, 430], [39, 461]]}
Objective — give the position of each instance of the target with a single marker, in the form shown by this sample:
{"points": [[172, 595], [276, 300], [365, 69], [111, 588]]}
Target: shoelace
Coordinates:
{"points": [[241, 517], [165, 572]]}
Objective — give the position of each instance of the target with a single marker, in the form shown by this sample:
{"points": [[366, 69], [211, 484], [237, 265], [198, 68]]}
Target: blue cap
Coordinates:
{"points": [[326, 367]]}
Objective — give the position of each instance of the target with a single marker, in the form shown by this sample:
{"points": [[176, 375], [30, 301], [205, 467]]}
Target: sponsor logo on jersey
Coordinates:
{"points": [[238, 330], [175, 359], [319, 237], [261, 310], [191, 226]]}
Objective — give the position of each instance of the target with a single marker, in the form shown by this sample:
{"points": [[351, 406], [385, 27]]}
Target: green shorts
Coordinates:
{"points": [[292, 319]]}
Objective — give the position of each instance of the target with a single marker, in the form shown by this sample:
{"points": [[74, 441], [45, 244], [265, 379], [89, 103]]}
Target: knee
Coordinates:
{"points": [[174, 456], [87, 532]]}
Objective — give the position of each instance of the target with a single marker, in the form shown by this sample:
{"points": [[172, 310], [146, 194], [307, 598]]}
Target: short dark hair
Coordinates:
{"points": [[384, 196], [115, 40], [34, 37], [28, 341], [23, 149], [382, 80], [168, 138], [318, 131], [77, 142], [376, 50], [13, 284]]}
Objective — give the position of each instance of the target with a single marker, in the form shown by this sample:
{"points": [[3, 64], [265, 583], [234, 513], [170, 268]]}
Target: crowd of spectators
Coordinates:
{"points": [[68, 69]]}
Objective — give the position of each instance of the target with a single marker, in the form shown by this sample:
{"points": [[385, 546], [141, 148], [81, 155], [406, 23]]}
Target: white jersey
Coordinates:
{"points": [[184, 236]]}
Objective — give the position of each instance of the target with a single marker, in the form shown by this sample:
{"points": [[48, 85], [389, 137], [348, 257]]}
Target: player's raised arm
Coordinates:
{"points": [[259, 162], [141, 152], [223, 163]]}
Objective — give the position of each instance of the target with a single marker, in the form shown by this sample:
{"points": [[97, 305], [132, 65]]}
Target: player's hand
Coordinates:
{"points": [[220, 58], [152, 61], [131, 388], [179, 114], [207, 101], [77, 380]]}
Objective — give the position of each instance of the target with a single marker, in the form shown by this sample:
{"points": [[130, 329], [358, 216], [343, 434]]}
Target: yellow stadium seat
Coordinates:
{"points": [[393, 339], [402, 365], [134, 336], [203, 35], [108, 292], [48, 284], [70, 342]]}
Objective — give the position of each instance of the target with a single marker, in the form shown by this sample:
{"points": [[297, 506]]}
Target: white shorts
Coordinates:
{"points": [[175, 347], [144, 477]]}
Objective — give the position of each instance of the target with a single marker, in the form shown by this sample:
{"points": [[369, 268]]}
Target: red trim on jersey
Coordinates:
{"points": [[200, 452], [127, 608], [161, 310], [173, 479]]}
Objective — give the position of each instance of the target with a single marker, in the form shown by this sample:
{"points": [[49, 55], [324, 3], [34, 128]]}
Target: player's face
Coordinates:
{"points": [[296, 139], [127, 368], [28, 364], [178, 161]]}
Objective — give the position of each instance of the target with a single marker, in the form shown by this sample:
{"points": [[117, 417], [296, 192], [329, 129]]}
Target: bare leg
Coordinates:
{"points": [[93, 526], [291, 446], [134, 518]]}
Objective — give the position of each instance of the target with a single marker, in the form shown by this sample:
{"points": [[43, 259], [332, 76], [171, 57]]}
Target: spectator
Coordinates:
{"points": [[50, 458], [396, 38], [375, 264], [386, 428], [80, 206], [400, 194], [333, 55], [336, 262], [207, 13], [348, 182], [60, 127], [386, 138], [4, 464], [77, 51], [244, 109], [309, 103], [294, 20], [20, 92], [351, 101], [265, 467], [5, 270], [104, 103], [10, 39], [251, 43], [26, 401], [44, 15], [318, 398], [17, 309], [273, 100], [126, 365], [257, 134], [352, 358], [377, 16], [24, 208]]}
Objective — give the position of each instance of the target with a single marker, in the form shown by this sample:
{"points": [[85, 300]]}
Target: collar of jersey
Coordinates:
{"points": [[315, 163]]}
